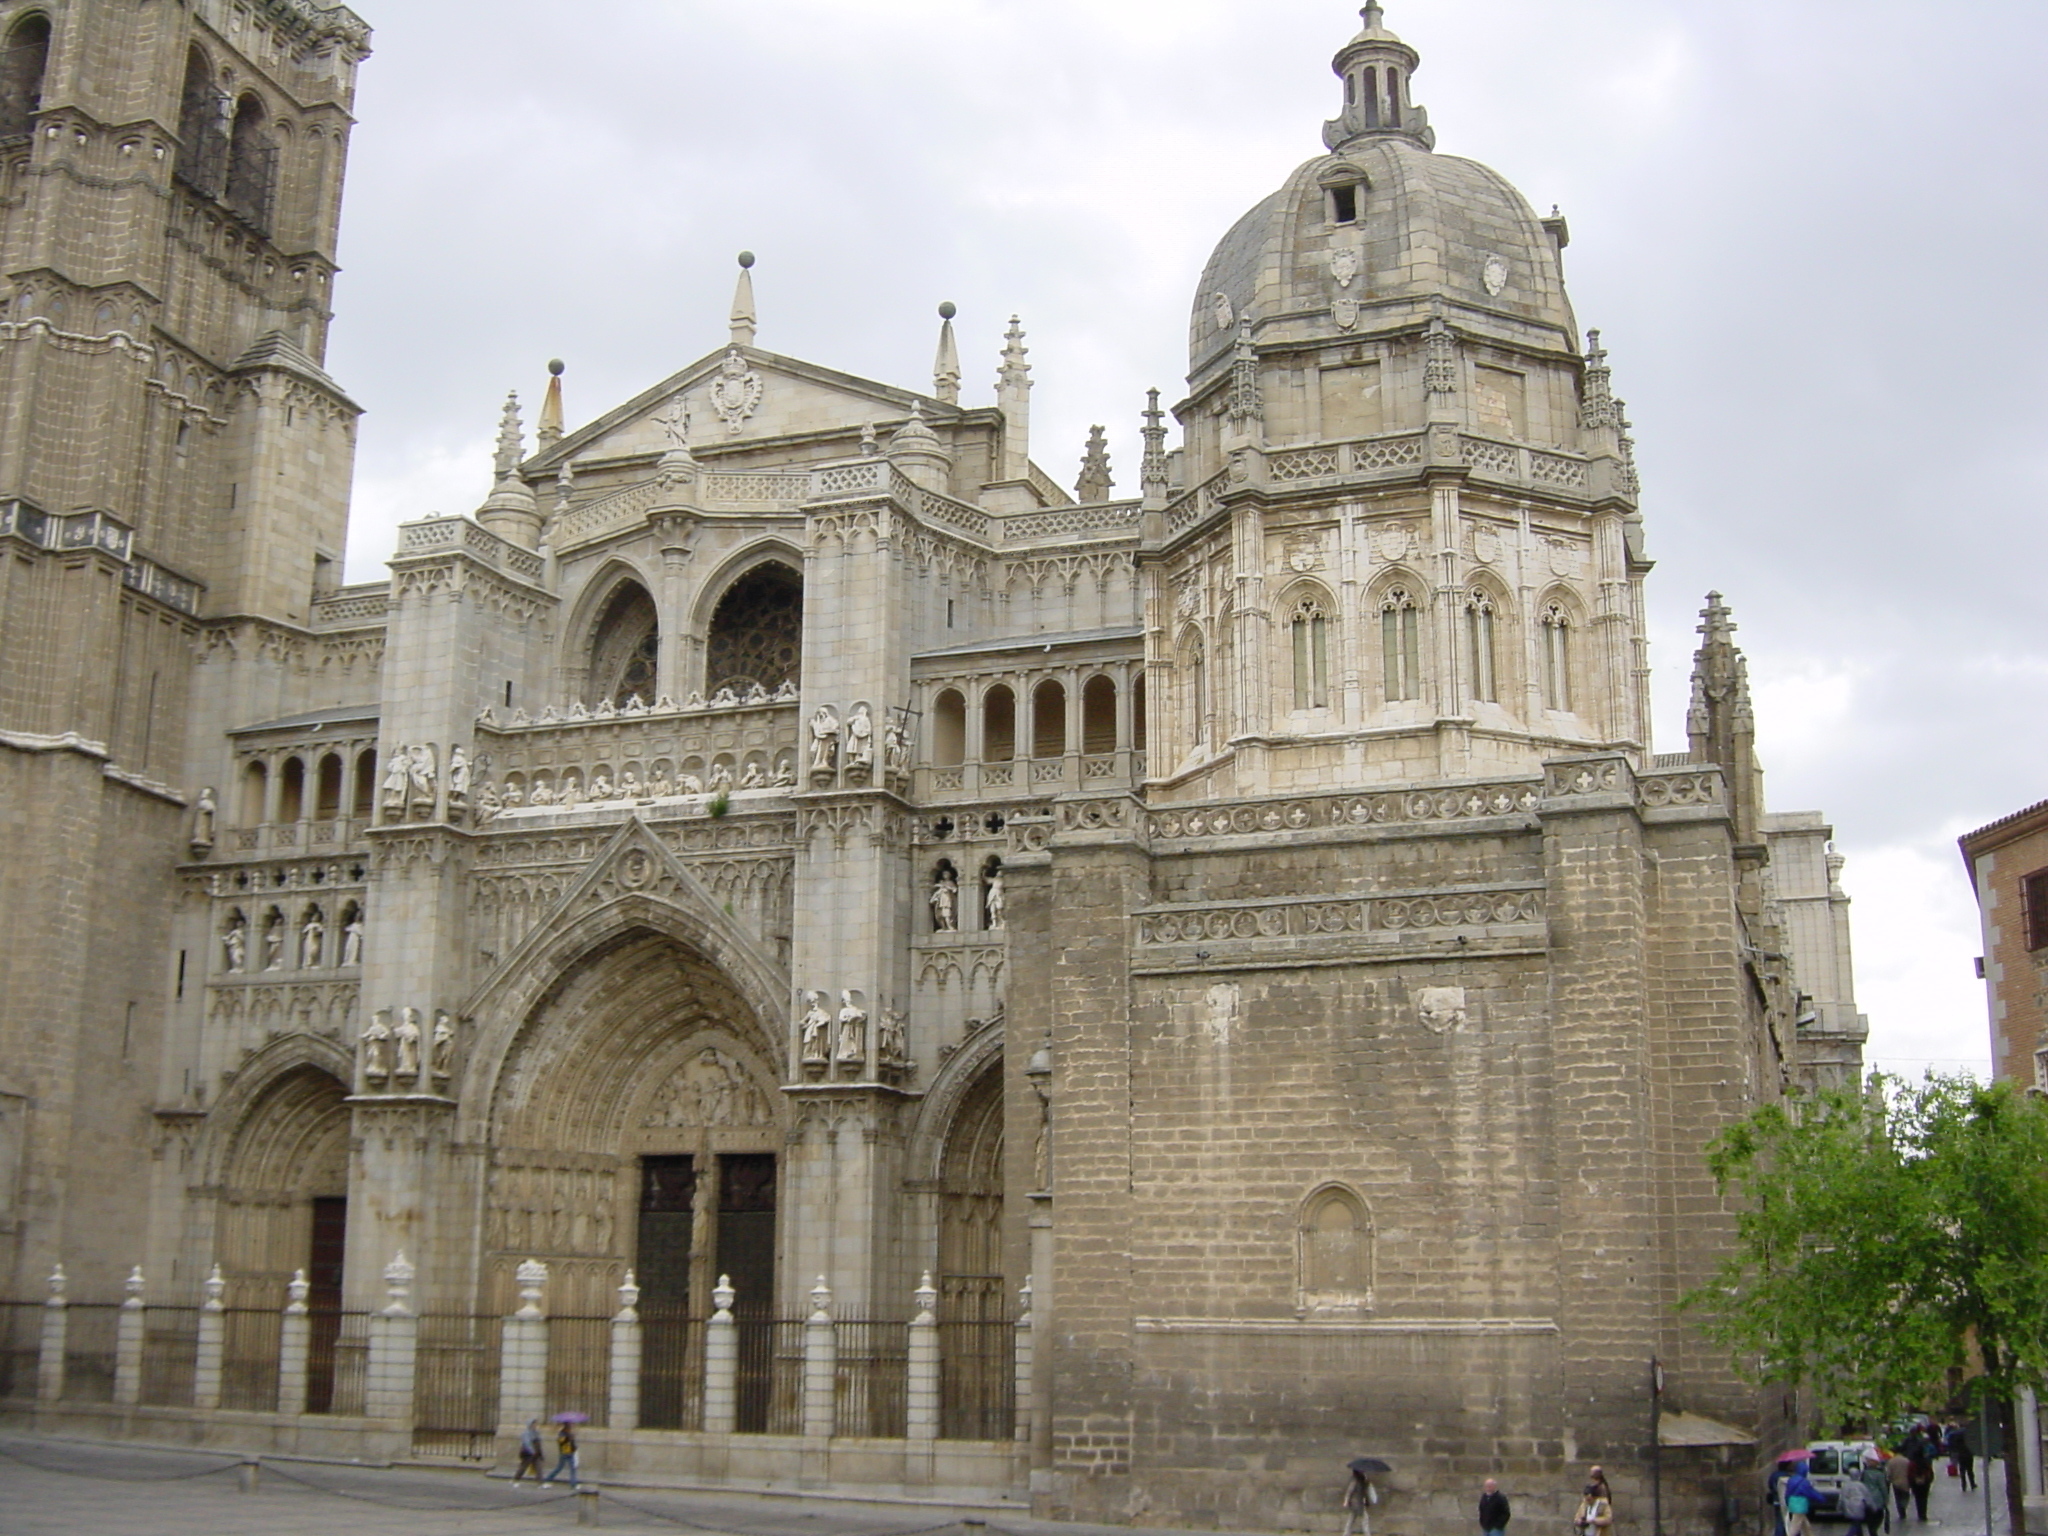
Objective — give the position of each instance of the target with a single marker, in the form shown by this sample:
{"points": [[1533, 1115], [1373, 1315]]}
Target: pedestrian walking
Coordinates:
{"points": [[1359, 1497], [1595, 1515], [529, 1451], [1800, 1498], [1898, 1472], [1494, 1512], [1963, 1455], [1920, 1459], [565, 1451], [1878, 1511], [1853, 1502]]}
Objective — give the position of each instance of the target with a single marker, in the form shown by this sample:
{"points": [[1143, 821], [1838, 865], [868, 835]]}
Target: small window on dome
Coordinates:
{"points": [[1343, 205]]}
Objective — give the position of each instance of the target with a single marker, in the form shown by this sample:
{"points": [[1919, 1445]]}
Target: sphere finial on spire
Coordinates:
{"points": [[946, 365], [743, 318]]}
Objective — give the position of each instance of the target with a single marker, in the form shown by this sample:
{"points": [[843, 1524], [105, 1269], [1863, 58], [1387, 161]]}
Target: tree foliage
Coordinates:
{"points": [[1886, 1238]]}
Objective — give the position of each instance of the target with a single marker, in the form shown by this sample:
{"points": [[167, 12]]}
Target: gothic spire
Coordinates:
{"points": [[1152, 468], [1013, 399], [1720, 724], [510, 511], [1095, 483], [1375, 67], [549, 432], [1596, 397], [743, 303], [946, 366]]}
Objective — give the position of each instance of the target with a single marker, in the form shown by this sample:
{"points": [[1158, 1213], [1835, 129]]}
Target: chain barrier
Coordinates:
{"points": [[119, 1477]]}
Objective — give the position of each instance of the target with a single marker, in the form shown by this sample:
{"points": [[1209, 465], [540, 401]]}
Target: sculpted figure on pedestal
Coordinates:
{"points": [[235, 942], [442, 1062], [945, 901], [376, 1042], [352, 941], [824, 740], [406, 1040], [814, 1047], [204, 811], [860, 738], [312, 940], [853, 1030], [394, 785]]}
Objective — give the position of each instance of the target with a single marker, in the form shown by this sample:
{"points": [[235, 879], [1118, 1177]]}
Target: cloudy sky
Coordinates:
{"points": [[1814, 233]]}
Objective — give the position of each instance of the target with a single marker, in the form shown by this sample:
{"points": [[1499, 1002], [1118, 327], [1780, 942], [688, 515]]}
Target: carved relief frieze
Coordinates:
{"points": [[554, 1204], [709, 1090], [1319, 917]]}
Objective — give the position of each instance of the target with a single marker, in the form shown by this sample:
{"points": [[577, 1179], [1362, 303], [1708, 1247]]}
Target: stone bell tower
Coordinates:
{"points": [[174, 474]]}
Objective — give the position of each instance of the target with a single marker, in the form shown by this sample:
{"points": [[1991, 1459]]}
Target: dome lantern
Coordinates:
{"points": [[1375, 67]]}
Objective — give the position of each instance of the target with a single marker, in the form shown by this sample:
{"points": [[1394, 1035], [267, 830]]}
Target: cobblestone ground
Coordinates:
{"points": [[52, 1487]]}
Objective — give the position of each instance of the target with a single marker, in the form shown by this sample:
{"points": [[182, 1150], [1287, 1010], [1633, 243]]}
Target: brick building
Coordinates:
{"points": [[782, 834]]}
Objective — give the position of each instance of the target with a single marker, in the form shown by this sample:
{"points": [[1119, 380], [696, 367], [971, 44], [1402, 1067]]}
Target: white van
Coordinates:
{"points": [[1829, 1462]]}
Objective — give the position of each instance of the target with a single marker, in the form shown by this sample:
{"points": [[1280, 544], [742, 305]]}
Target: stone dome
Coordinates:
{"points": [[1381, 232]]}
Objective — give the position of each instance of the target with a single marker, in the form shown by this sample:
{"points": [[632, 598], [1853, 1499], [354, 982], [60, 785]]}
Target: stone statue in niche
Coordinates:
{"points": [[487, 804], [815, 1047], [204, 812], [892, 1038], [394, 785], [721, 777], [442, 1060], [896, 748], [352, 940], [600, 785], [273, 942], [753, 778], [659, 785], [853, 1031], [420, 775], [1440, 1008], [824, 740], [405, 1041], [945, 901], [860, 740], [312, 940], [689, 784], [785, 773], [629, 785], [235, 944], [458, 779], [994, 899], [541, 795], [376, 1042]]}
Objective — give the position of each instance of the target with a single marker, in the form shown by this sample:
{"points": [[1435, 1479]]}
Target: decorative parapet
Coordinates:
{"points": [[458, 535], [353, 607], [1062, 523]]}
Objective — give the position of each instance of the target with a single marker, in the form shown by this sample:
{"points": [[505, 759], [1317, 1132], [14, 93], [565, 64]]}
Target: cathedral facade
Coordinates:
{"points": [[1241, 929]]}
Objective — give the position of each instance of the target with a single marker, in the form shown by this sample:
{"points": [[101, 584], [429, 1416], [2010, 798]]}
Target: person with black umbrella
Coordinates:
{"points": [[1360, 1495]]}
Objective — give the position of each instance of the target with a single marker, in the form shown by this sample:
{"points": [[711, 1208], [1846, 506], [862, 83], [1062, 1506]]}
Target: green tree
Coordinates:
{"points": [[1887, 1238]]}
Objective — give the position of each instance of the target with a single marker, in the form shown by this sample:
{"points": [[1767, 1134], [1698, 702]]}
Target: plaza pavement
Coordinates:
{"points": [[53, 1487]]}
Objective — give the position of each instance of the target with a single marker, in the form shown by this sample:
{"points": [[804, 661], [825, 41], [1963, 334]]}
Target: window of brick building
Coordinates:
{"points": [[2034, 908]]}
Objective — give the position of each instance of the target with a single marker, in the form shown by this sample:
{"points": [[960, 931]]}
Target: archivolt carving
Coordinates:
{"points": [[710, 1089]]}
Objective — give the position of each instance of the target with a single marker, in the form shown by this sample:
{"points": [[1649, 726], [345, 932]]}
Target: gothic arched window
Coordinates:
{"points": [[998, 724], [22, 65], [1049, 719], [949, 729], [1400, 645], [1479, 641], [1557, 657], [1098, 715], [1334, 1252], [252, 163], [624, 646], [757, 632], [202, 136], [1309, 630], [1195, 688]]}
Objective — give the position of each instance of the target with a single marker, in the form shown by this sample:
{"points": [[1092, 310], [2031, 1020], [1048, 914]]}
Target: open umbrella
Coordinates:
{"points": [[1371, 1466], [1797, 1453], [572, 1416]]}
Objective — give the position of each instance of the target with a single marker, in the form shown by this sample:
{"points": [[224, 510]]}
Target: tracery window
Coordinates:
{"points": [[202, 136], [1400, 645], [252, 164], [623, 648], [757, 632], [1310, 631], [1479, 641], [1557, 657], [22, 65]]}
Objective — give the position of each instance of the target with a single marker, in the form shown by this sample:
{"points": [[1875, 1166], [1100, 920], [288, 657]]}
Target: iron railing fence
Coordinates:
{"points": [[251, 1342], [770, 1376], [580, 1367], [21, 1345], [455, 1386], [977, 1379], [671, 1369], [89, 1351], [338, 1361], [170, 1353], [872, 1390]]}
